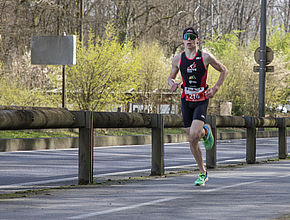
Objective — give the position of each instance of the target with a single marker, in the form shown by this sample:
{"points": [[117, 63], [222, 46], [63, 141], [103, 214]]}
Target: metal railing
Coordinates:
{"points": [[42, 118]]}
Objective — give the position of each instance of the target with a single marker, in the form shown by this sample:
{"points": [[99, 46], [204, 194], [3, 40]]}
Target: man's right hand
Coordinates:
{"points": [[174, 86]]}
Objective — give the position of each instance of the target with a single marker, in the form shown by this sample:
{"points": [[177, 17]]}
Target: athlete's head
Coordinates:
{"points": [[190, 38], [190, 33]]}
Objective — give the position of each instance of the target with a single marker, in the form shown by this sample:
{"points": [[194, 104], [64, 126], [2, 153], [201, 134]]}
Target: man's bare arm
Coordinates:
{"points": [[210, 59], [173, 73]]}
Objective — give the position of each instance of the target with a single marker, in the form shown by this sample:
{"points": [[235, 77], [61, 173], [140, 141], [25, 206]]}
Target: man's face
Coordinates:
{"points": [[190, 40]]}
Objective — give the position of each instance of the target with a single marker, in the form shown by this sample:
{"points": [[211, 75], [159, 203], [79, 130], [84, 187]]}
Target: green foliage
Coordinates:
{"points": [[154, 64], [242, 85], [13, 93], [106, 70], [277, 83], [153, 74], [23, 84], [279, 41], [224, 45], [134, 131], [35, 134]]}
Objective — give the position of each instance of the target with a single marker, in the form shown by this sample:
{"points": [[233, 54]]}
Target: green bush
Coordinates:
{"points": [[106, 70], [242, 85]]}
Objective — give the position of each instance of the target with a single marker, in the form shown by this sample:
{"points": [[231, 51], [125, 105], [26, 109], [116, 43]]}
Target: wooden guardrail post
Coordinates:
{"points": [[86, 150], [211, 154], [282, 138], [251, 140], [157, 145]]}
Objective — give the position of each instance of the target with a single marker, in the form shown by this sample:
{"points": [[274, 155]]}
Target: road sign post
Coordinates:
{"points": [[54, 50], [269, 59], [263, 58], [268, 68]]}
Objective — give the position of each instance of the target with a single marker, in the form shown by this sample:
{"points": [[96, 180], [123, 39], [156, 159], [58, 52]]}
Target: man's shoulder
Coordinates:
{"points": [[176, 58], [207, 56]]}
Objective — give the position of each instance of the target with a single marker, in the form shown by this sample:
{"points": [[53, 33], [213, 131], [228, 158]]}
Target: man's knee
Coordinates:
{"points": [[194, 137]]}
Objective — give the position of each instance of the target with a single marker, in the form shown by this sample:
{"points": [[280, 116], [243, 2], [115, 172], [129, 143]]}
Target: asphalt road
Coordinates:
{"points": [[30, 169], [260, 191], [247, 192]]}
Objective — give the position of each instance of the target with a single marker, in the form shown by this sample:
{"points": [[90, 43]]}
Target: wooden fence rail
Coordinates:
{"points": [[18, 118]]}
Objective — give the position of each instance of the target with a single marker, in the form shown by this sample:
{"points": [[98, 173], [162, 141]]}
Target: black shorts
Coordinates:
{"points": [[193, 111]]}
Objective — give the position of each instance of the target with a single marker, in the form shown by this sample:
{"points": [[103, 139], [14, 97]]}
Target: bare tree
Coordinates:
{"points": [[21, 19], [161, 20]]}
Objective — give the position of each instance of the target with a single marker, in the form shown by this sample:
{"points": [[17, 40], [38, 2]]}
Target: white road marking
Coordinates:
{"points": [[19, 185], [122, 208], [107, 174], [227, 187], [37, 182], [67, 179], [93, 214], [122, 154], [283, 176]]}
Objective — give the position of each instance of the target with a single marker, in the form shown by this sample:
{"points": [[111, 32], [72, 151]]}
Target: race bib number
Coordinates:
{"points": [[194, 94]]}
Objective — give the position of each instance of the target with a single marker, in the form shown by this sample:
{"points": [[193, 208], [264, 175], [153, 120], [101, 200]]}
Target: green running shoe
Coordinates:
{"points": [[202, 178], [208, 140]]}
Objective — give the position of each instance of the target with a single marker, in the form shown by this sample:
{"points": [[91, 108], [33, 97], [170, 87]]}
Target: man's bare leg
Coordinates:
{"points": [[195, 133]]}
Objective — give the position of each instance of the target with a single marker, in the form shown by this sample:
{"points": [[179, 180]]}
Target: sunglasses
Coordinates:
{"points": [[187, 36]]}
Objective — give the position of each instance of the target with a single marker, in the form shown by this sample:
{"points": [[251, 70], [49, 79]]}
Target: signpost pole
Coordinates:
{"points": [[63, 86], [262, 70], [63, 80]]}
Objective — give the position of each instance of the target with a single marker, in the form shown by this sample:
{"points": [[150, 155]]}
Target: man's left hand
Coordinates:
{"points": [[210, 92]]}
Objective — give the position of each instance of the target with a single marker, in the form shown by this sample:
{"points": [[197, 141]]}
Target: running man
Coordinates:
{"points": [[193, 65]]}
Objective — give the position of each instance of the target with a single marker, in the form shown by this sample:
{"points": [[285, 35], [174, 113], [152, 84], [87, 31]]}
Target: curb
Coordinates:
{"points": [[23, 144]]}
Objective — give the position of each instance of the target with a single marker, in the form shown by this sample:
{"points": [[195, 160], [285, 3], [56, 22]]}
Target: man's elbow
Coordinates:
{"points": [[225, 71]]}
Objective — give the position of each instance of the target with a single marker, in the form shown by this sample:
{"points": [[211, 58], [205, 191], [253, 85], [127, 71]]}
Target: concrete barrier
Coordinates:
{"points": [[23, 144]]}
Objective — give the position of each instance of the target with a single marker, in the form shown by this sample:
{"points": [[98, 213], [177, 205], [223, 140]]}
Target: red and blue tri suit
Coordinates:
{"points": [[194, 75]]}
